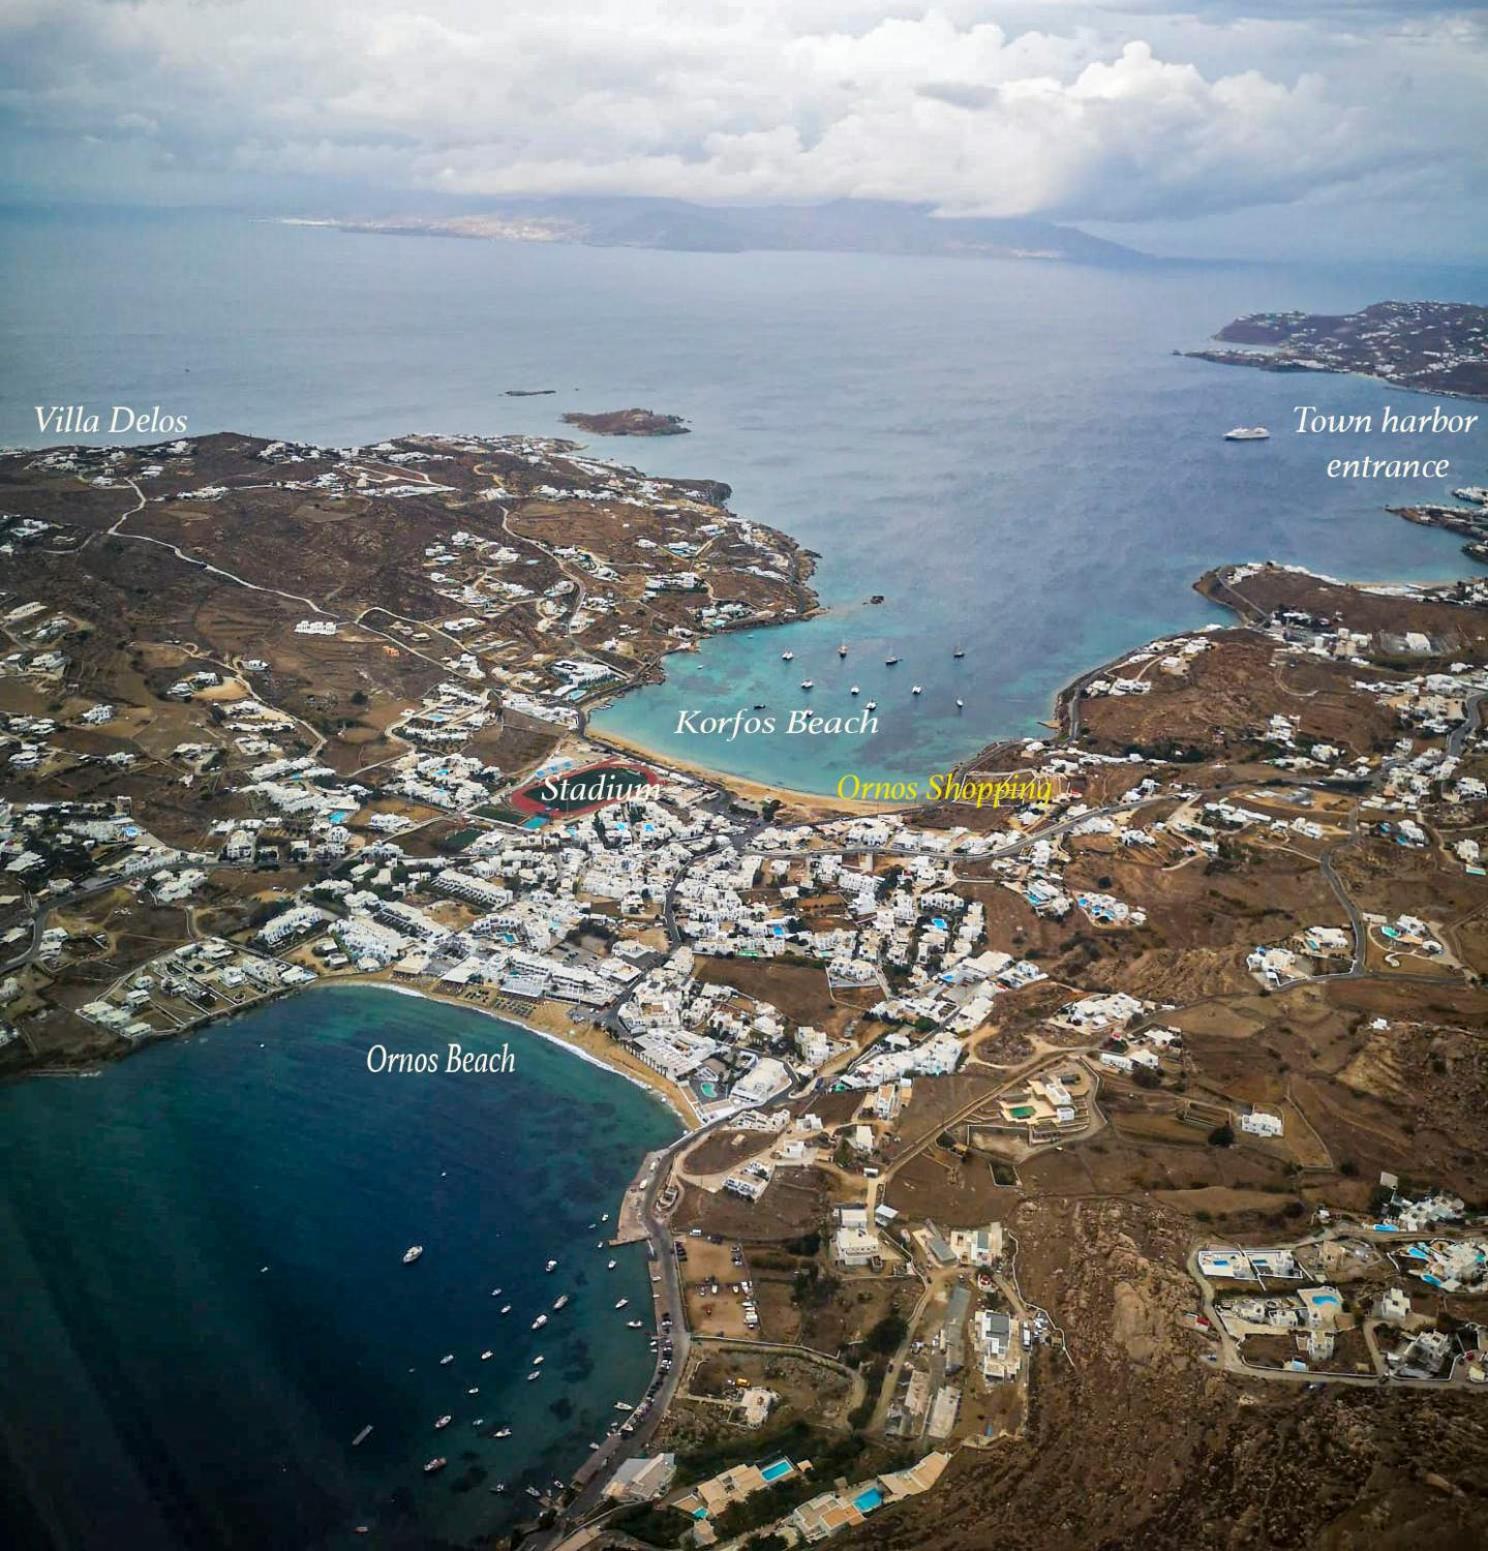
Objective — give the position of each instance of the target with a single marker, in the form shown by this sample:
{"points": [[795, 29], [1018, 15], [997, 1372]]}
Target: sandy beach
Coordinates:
{"points": [[550, 1021], [809, 805]]}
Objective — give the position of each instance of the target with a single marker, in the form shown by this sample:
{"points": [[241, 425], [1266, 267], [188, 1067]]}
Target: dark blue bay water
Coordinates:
{"points": [[1010, 452], [159, 1389]]}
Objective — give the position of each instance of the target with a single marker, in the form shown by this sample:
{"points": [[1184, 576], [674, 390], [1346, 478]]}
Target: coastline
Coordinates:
{"points": [[816, 804], [671, 1096]]}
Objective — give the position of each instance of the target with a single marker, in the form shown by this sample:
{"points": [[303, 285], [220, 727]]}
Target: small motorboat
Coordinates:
{"points": [[806, 683], [540, 1321], [443, 1422], [634, 1324], [960, 705], [551, 1266], [787, 656], [448, 1358], [561, 1302], [610, 1265], [539, 1360], [506, 1308], [412, 1253], [473, 1390], [917, 690], [487, 1355], [873, 705], [842, 650], [502, 1432], [853, 690], [535, 1374], [959, 652], [495, 1292], [437, 1463], [890, 661], [621, 1302]]}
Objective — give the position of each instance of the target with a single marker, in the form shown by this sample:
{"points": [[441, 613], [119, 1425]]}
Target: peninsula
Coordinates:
{"points": [[1044, 1157], [1433, 347]]}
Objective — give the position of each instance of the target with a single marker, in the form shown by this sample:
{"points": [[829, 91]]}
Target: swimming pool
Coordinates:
{"points": [[866, 1502], [781, 1467]]}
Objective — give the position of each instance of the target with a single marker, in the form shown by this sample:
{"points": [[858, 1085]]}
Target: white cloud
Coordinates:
{"points": [[1081, 110]]}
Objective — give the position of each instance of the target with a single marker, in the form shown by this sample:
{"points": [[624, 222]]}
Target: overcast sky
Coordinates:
{"points": [[1213, 125]]}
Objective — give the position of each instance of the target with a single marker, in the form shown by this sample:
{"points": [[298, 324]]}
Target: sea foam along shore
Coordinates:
{"points": [[690, 1122]]}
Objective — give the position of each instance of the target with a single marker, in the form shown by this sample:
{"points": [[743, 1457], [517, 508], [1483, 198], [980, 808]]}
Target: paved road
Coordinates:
{"points": [[601, 1465], [43, 908], [1232, 1362]]}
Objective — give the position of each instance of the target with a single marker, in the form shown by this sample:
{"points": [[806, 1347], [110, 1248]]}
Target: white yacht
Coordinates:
{"points": [[412, 1253], [1248, 433], [787, 656], [540, 1321], [919, 689]]}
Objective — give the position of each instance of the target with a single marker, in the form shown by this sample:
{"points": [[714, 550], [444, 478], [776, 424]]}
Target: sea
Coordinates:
{"points": [[205, 1300], [1008, 452]]}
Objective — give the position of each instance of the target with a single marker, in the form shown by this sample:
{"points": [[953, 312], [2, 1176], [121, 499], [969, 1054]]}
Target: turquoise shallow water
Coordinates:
{"points": [[159, 1388], [1009, 452]]}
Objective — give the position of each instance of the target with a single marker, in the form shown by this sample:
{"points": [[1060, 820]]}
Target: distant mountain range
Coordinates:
{"points": [[843, 226]]}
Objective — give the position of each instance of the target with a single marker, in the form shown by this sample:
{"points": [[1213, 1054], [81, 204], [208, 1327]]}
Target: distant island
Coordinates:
{"points": [[843, 225], [627, 422], [1433, 347]]}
